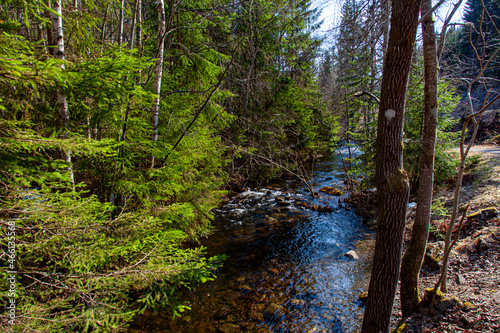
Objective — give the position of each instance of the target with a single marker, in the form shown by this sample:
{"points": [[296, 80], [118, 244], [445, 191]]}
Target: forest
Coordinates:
{"points": [[125, 123]]}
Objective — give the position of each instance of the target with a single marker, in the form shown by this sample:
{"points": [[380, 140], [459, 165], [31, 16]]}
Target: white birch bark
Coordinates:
{"points": [[122, 17], [158, 72], [58, 35]]}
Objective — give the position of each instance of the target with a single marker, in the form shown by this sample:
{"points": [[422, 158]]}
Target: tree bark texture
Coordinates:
{"points": [[414, 255], [392, 182], [158, 72], [122, 17], [58, 41]]}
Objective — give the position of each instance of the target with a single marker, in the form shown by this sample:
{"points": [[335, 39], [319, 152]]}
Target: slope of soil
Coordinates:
{"points": [[474, 273]]}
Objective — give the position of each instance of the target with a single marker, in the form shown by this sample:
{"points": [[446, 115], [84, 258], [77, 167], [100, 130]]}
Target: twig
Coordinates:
{"points": [[446, 255]]}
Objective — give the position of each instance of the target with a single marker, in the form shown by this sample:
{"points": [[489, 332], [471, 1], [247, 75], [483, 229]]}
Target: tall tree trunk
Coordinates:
{"points": [[139, 26], [392, 182], [158, 72], [58, 40], [120, 26], [385, 25], [412, 259]]}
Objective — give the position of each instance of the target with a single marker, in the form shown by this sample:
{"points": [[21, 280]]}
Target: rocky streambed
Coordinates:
{"points": [[287, 269]]}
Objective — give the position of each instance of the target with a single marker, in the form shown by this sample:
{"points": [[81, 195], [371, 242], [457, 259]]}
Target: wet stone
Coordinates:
{"points": [[271, 220], [352, 255], [363, 296], [298, 303], [274, 270], [244, 287], [301, 204], [230, 328], [256, 316], [271, 309]]}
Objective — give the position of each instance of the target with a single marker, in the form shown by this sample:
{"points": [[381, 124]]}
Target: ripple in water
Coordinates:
{"points": [[286, 271]]}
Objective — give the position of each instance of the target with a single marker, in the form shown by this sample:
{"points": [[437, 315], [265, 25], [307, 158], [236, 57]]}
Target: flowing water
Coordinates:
{"points": [[286, 270]]}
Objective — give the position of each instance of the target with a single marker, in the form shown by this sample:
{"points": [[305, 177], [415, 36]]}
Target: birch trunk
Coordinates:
{"points": [[122, 17], [158, 73], [414, 255], [58, 41], [139, 26]]}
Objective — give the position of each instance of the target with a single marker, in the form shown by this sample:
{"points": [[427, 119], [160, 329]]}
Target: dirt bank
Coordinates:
{"points": [[474, 273]]}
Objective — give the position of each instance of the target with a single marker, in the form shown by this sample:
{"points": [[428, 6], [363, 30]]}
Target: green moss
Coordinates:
{"points": [[467, 306]]}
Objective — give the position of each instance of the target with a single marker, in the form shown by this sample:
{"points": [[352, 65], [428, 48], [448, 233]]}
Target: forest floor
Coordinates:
{"points": [[474, 268]]}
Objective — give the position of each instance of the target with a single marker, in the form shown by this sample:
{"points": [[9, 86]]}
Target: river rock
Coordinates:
{"points": [[331, 190], [283, 203], [363, 296], [244, 287], [302, 204], [298, 303], [230, 328], [271, 310], [256, 316], [270, 220], [352, 254]]}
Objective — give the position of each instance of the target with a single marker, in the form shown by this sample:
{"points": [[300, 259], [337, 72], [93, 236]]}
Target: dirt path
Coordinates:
{"points": [[485, 150]]}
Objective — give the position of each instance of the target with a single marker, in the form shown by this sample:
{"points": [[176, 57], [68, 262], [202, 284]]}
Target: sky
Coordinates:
{"points": [[331, 13]]}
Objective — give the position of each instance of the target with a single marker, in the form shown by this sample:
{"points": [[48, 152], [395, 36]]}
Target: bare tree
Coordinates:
{"points": [[484, 51]]}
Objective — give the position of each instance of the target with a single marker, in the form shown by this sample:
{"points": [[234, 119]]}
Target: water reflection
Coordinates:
{"points": [[286, 271]]}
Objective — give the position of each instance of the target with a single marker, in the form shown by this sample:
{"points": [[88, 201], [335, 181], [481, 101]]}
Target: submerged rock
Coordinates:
{"points": [[230, 328], [271, 220], [331, 190], [256, 316], [271, 311]]}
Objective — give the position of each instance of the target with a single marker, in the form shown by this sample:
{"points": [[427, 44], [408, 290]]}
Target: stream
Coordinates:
{"points": [[286, 270]]}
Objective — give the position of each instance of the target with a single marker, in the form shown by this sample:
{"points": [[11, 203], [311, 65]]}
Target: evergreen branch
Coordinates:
{"points": [[202, 107]]}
